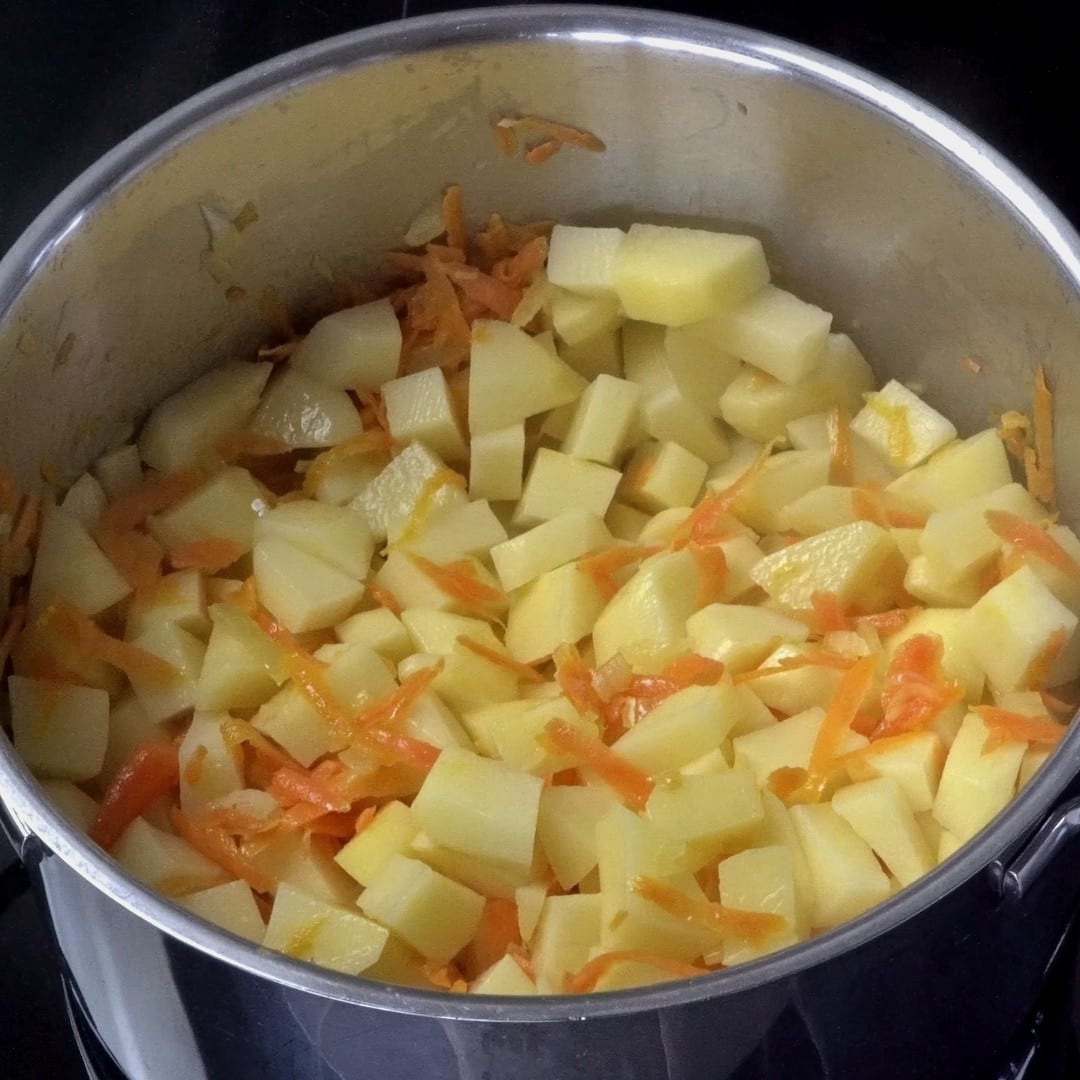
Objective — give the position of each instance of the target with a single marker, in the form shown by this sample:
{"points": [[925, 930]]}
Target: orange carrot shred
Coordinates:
{"points": [[364, 819], [841, 467], [237, 731], [750, 925], [575, 679], [459, 581], [397, 704], [211, 554], [157, 492], [603, 566], [712, 568], [213, 842], [193, 770], [632, 785], [1004, 726], [500, 299], [401, 748], [497, 932], [505, 138], [149, 771], [972, 365], [1032, 539], [1040, 667], [829, 613], [585, 979], [553, 129], [523, 671], [811, 658], [915, 691], [541, 151], [384, 598], [838, 718], [889, 622], [453, 217], [519, 269]]}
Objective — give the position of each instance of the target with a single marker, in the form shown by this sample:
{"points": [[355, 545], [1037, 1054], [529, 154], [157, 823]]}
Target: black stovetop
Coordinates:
{"points": [[77, 78]]}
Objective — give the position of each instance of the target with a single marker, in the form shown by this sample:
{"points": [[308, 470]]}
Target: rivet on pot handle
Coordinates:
{"points": [[1014, 881]]}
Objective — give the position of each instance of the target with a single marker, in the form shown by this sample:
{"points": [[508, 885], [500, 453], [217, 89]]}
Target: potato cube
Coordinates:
{"points": [[938, 586], [333, 534], [787, 744], [846, 874], [557, 483], [497, 463], [230, 906], [119, 471], [179, 597], [1009, 629], [975, 785], [667, 411], [568, 930], [379, 629], [164, 861], [301, 590], [795, 690], [85, 500], [358, 348], [760, 879], [70, 566], [419, 408], [812, 433], [662, 475], [957, 661], [165, 698], [847, 562], [309, 928], [625, 521], [530, 901], [576, 318], [78, 807], [914, 760], [413, 586], [512, 377], [782, 479], [675, 276], [777, 333], [685, 725], [208, 768], [549, 545], [307, 864], [1065, 586], [516, 739], [566, 829], [778, 829], [59, 730], [741, 636], [339, 480], [498, 880], [582, 259], [702, 368], [452, 532], [225, 507], [505, 977], [599, 355], [818, 510], [389, 833], [901, 426], [602, 419], [304, 412], [760, 407], [184, 429], [435, 915], [479, 807]]}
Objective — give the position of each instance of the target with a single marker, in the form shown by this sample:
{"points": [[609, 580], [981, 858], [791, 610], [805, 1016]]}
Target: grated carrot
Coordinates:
{"points": [[211, 554], [157, 492], [1040, 667], [487, 291], [396, 705], [631, 784], [236, 732], [523, 671], [914, 691], [576, 680], [712, 568], [453, 217], [364, 819], [1032, 539], [505, 138], [318, 787], [401, 749], [196, 764], [216, 844], [553, 129], [889, 622], [841, 466], [1005, 726], [148, 772], [585, 979], [812, 658], [538, 153], [841, 712], [828, 613], [603, 566], [384, 598], [496, 934], [748, 925], [518, 269], [458, 580], [972, 365]]}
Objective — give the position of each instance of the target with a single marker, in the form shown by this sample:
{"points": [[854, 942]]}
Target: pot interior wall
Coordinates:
{"points": [[919, 264]]}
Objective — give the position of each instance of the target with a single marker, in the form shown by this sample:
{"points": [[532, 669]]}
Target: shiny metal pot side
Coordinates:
{"points": [[926, 245]]}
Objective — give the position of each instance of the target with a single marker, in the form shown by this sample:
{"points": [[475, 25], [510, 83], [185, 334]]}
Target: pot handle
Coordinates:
{"points": [[1013, 880]]}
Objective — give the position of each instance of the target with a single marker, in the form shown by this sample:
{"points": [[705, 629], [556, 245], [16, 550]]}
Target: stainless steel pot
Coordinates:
{"points": [[927, 246]]}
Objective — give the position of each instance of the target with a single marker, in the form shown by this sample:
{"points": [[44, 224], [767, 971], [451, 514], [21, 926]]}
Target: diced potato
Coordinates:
{"points": [[662, 475], [70, 566], [667, 411], [847, 876], [517, 738], [938, 586], [419, 407], [777, 333], [685, 725], [646, 619], [975, 785], [129, 726], [230, 906], [309, 928], [231, 677], [568, 930], [557, 483], [59, 730], [602, 419], [702, 368], [530, 901], [340, 480], [78, 807], [497, 463], [179, 597], [358, 348], [818, 510], [479, 807], [456, 531], [183, 430], [119, 471], [85, 500], [549, 545], [336, 535], [901, 426], [576, 318], [389, 833], [378, 629], [957, 661], [760, 879], [625, 521], [1009, 630], [307, 864], [512, 377], [706, 815], [741, 636], [847, 562], [914, 760], [164, 861], [760, 407], [401, 575], [208, 768], [778, 829], [165, 698], [599, 355], [304, 412], [795, 690], [301, 590], [435, 915], [226, 507], [959, 471], [782, 479], [566, 828], [879, 812], [675, 276], [582, 259], [1032, 762], [812, 433], [1064, 585], [495, 880]]}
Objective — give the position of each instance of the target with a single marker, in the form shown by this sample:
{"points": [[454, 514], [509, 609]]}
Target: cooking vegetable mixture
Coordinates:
{"points": [[567, 613]]}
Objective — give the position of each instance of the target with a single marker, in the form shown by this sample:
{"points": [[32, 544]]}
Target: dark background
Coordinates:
{"points": [[77, 77]]}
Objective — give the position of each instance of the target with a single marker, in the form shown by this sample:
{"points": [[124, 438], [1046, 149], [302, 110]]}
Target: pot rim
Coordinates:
{"points": [[45, 831]]}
